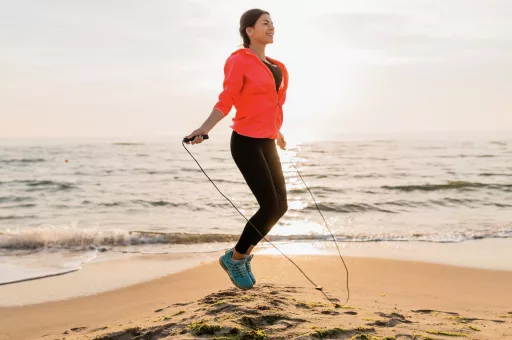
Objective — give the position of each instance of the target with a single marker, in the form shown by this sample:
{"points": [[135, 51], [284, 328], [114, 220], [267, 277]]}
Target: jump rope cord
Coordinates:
{"points": [[279, 250]]}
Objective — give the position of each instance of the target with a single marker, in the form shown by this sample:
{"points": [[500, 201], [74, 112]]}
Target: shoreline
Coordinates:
{"points": [[113, 271], [377, 286]]}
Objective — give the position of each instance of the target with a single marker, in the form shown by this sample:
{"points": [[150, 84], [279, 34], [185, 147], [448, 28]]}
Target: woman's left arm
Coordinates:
{"points": [[281, 142]]}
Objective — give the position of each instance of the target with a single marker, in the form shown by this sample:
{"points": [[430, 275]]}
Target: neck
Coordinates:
{"points": [[259, 49]]}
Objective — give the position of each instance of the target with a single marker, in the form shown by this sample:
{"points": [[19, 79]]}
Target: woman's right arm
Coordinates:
{"points": [[233, 83], [215, 117]]}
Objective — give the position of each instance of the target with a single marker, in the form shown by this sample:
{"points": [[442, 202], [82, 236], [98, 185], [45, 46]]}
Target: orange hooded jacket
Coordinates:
{"points": [[250, 87]]}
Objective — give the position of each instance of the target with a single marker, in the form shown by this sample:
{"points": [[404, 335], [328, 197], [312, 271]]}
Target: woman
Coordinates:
{"points": [[256, 85]]}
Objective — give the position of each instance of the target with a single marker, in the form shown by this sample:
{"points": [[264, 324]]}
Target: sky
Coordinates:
{"points": [[149, 68]]}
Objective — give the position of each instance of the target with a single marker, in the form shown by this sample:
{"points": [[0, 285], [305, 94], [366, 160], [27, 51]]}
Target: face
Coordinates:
{"points": [[263, 30]]}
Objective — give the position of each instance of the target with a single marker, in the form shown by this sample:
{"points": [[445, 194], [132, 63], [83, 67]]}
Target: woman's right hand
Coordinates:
{"points": [[199, 135]]}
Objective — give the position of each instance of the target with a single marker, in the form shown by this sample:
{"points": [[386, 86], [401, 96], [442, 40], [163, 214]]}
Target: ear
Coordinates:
{"points": [[249, 31]]}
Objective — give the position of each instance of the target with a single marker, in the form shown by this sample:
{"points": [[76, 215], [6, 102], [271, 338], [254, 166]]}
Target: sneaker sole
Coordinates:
{"points": [[227, 272]]}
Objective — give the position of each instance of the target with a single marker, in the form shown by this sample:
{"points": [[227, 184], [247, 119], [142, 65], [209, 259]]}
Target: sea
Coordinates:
{"points": [[65, 202]]}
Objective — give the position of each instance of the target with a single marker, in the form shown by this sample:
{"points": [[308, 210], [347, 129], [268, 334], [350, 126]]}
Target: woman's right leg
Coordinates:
{"points": [[250, 160]]}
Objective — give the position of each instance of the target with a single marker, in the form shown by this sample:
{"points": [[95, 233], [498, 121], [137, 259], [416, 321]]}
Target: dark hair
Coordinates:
{"points": [[249, 19]]}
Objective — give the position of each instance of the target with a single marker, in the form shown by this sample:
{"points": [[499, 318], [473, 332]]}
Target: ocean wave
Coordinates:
{"points": [[369, 176], [15, 199], [159, 203], [190, 169], [219, 180], [164, 172], [453, 237], [146, 203], [444, 202], [490, 174], [28, 205], [467, 156], [347, 208], [152, 204], [44, 184], [498, 205], [22, 160], [304, 190], [86, 239], [14, 217], [94, 239], [453, 185]]}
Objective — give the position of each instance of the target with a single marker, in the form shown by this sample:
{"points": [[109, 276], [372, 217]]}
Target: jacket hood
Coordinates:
{"points": [[248, 51]]}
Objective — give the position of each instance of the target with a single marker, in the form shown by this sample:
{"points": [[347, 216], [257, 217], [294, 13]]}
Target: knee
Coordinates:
{"points": [[272, 212], [275, 211], [279, 211]]}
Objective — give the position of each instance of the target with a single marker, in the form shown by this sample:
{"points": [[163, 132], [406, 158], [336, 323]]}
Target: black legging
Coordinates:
{"points": [[259, 163]]}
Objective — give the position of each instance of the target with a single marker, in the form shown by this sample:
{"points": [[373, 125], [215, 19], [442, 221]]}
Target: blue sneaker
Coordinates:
{"points": [[248, 260], [237, 271]]}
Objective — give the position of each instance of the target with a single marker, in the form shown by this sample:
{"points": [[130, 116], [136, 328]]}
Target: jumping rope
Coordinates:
{"points": [[317, 287]]}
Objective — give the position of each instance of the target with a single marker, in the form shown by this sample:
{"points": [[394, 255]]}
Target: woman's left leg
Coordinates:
{"points": [[271, 155]]}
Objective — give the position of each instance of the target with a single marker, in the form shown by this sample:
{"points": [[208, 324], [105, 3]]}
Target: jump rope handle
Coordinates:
{"points": [[186, 140]]}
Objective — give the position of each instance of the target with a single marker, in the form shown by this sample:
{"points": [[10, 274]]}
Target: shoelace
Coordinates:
{"points": [[248, 262], [239, 268]]}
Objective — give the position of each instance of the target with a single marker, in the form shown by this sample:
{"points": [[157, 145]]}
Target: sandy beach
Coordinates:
{"points": [[388, 299], [141, 141]]}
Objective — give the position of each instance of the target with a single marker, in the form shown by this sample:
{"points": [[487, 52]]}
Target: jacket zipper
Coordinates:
{"points": [[271, 76], [273, 80]]}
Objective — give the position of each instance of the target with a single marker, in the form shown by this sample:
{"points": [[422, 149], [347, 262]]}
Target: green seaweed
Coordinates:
{"points": [[446, 333], [361, 332], [309, 305], [364, 329], [134, 331], [237, 334], [245, 298], [201, 328], [224, 317], [421, 336], [168, 317], [364, 337], [273, 318], [474, 328], [462, 319], [344, 307], [324, 333], [253, 335], [218, 302]]}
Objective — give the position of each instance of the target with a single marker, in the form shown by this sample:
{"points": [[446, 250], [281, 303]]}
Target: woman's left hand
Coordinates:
{"points": [[281, 142]]}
